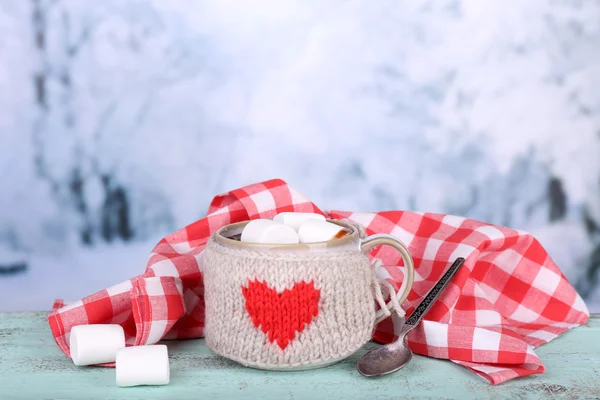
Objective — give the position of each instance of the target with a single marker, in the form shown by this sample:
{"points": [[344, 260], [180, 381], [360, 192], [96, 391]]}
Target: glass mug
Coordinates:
{"points": [[293, 306]]}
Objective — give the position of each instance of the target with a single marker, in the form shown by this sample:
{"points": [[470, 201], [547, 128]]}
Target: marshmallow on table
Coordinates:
{"points": [[268, 231], [143, 365], [96, 344], [319, 231], [296, 219]]}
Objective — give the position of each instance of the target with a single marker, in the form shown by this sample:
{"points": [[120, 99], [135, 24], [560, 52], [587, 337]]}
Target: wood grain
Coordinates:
{"points": [[32, 367]]}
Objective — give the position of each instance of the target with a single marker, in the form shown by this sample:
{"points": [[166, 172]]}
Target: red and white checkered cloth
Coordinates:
{"points": [[508, 298]]}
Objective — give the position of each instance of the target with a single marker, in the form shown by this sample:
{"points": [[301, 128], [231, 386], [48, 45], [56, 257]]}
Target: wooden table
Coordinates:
{"points": [[32, 367]]}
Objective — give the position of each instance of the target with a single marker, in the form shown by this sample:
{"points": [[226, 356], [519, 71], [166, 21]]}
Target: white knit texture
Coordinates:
{"points": [[346, 315]]}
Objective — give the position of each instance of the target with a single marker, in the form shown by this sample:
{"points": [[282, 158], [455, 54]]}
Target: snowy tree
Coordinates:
{"points": [[88, 58]]}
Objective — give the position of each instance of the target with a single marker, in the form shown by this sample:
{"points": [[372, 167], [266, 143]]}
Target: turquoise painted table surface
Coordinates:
{"points": [[32, 367]]}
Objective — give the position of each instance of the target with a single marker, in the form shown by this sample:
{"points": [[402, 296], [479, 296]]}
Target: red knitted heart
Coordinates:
{"points": [[281, 315]]}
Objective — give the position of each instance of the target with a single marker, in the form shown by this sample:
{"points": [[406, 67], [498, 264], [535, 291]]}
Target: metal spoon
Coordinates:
{"points": [[391, 357]]}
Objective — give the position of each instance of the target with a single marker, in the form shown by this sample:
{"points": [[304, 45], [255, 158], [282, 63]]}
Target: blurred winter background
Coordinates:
{"points": [[120, 120]]}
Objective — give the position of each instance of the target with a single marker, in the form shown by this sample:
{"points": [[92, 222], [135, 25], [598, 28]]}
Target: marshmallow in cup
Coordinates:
{"points": [[268, 232], [320, 231], [296, 219]]}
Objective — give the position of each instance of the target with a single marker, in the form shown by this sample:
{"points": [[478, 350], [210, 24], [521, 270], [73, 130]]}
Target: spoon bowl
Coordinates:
{"points": [[385, 359]]}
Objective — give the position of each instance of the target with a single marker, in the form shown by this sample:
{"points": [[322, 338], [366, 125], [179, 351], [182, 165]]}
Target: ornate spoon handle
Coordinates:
{"points": [[432, 296]]}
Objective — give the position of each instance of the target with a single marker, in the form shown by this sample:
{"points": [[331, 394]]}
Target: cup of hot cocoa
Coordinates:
{"points": [[295, 292]]}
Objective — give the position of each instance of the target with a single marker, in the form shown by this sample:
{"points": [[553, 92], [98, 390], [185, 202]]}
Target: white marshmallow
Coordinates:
{"points": [[268, 232], [318, 231], [296, 219], [95, 344], [143, 365]]}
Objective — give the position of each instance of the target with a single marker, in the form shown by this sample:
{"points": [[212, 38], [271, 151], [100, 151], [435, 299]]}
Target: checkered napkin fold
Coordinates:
{"points": [[507, 299]]}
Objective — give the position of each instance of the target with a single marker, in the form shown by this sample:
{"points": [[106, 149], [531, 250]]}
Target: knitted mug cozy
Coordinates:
{"points": [[288, 309]]}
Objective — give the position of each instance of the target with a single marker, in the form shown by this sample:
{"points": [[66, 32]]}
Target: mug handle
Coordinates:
{"points": [[382, 239]]}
